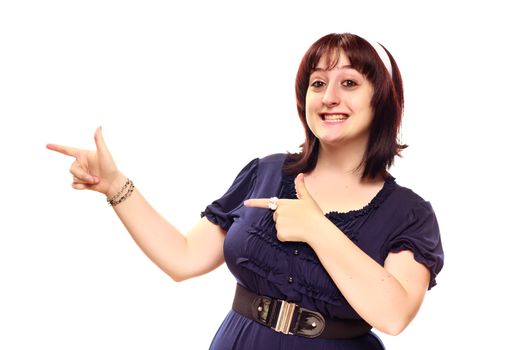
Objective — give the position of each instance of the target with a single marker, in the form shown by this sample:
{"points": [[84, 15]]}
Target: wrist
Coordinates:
{"points": [[116, 185], [318, 224]]}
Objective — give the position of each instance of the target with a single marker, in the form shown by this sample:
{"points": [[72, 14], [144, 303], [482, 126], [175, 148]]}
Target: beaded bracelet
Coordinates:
{"points": [[119, 192], [120, 197]]}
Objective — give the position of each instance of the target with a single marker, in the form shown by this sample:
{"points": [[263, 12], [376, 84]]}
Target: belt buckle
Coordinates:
{"points": [[284, 320]]}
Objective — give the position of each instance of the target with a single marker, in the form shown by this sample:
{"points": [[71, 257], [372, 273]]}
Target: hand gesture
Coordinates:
{"points": [[296, 220], [92, 170]]}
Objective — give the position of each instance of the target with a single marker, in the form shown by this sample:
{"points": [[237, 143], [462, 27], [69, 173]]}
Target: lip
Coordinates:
{"points": [[334, 117]]}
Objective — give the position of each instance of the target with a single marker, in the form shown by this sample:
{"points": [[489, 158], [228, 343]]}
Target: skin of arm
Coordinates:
{"points": [[180, 256], [387, 297]]}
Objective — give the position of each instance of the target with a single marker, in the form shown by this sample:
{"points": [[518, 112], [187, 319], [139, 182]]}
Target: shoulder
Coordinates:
{"points": [[407, 195], [273, 159], [272, 163], [404, 199], [268, 175]]}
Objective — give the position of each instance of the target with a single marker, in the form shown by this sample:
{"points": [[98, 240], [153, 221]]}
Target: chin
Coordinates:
{"points": [[333, 142], [342, 141]]}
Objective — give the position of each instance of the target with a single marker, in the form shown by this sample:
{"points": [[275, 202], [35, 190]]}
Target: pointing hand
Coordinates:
{"points": [[295, 219], [93, 170]]}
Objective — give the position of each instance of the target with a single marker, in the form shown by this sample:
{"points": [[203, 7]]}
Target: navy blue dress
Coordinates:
{"points": [[396, 219]]}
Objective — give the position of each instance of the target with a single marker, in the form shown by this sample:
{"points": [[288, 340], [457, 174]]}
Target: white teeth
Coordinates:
{"points": [[335, 117]]}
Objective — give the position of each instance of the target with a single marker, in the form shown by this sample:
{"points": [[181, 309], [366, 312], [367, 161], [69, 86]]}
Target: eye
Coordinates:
{"points": [[348, 83], [317, 84]]}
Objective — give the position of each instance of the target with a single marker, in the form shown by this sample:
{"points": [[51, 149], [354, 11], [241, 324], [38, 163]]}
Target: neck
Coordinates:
{"points": [[342, 159]]}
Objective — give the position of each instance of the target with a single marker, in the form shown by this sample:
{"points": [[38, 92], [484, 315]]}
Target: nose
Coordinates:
{"points": [[331, 96]]}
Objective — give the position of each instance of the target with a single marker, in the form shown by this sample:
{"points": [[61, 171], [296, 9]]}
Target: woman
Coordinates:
{"points": [[324, 244]]}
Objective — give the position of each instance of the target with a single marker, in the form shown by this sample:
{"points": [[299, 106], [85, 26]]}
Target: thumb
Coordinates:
{"points": [[300, 187]]}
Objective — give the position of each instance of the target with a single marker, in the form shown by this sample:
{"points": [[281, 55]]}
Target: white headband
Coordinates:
{"points": [[383, 55]]}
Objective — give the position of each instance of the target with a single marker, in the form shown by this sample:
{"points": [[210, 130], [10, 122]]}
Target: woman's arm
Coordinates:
{"points": [[180, 256], [386, 297]]}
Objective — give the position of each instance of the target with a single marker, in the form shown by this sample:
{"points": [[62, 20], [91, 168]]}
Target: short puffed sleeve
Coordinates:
{"points": [[420, 234], [222, 211]]}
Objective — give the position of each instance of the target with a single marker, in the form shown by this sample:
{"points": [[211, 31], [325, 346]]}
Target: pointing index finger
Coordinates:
{"points": [[68, 151], [257, 203]]}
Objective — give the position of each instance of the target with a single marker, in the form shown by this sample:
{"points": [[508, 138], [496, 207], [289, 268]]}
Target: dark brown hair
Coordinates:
{"points": [[387, 103]]}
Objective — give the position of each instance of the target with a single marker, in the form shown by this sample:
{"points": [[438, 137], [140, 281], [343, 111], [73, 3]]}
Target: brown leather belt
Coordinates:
{"points": [[290, 318]]}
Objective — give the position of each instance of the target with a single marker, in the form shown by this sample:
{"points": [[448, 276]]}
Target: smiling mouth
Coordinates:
{"points": [[334, 117]]}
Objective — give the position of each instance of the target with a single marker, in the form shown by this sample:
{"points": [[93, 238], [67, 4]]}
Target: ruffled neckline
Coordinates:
{"points": [[288, 191]]}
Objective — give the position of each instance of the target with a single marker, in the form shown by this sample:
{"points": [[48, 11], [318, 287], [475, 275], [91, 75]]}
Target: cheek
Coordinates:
{"points": [[309, 109], [310, 103], [368, 116], [364, 105]]}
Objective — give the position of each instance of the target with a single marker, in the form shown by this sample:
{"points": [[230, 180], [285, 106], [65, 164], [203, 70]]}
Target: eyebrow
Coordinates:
{"points": [[347, 66]]}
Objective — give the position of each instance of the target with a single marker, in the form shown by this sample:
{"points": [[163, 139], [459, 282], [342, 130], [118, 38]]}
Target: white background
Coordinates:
{"points": [[189, 92]]}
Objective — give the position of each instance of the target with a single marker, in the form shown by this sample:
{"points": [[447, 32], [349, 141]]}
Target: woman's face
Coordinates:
{"points": [[338, 102]]}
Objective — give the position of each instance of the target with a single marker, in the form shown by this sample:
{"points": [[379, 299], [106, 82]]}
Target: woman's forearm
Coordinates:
{"points": [[181, 257], [370, 289]]}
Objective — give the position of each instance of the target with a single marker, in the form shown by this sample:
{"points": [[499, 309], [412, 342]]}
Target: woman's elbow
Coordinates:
{"points": [[180, 276], [393, 330], [394, 327]]}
